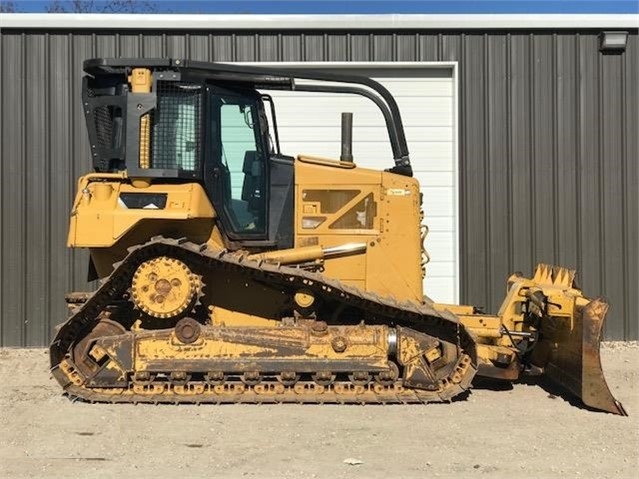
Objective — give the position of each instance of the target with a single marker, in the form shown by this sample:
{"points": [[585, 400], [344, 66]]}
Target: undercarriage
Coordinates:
{"points": [[316, 340]]}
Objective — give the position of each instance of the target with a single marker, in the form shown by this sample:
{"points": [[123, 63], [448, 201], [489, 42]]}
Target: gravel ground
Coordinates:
{"points": [[511, 433]]}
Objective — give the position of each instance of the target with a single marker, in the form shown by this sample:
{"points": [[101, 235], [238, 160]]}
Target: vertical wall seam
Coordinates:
{"points": [[624, 200], [2, 175], [47, 162], [533, 143], [554, 74], [257, 56], [72, 82], [510, 154], [326, 52], [600, 176], [23, 278], [394, 47], [234, 47], [461, 173], [371, 47], [578, 152], [487, 145]]}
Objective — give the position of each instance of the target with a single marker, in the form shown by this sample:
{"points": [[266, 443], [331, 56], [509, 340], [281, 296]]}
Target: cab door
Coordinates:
{"points": [[237, 172]]}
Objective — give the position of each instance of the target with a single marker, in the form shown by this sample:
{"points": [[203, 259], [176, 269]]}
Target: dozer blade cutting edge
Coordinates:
{"points": [[574, 358]]}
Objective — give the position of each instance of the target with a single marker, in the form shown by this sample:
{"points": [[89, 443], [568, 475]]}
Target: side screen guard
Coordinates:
{"points": [[105, 107]]}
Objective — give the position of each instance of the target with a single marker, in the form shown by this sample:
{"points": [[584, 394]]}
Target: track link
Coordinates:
{"points": [[302, 393]]}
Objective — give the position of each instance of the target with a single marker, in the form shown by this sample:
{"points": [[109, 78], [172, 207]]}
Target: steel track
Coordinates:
{"points": [[378, 310]]}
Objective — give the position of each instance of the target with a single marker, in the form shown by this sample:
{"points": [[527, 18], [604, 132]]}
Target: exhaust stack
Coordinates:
{"points": [[347, 137]]}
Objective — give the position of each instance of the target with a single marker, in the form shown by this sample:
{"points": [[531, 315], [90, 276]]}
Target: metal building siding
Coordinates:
{"points": [[548, 153]]}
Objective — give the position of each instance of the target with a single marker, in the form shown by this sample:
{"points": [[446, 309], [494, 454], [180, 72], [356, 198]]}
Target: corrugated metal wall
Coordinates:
{"points": [[548, 154]]}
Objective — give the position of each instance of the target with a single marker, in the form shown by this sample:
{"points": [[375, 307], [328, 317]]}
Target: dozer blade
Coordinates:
{"points": [[574, 362]]}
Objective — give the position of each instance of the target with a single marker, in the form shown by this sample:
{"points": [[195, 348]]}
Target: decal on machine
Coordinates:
{"points": [[397, 192], [143, 201]]}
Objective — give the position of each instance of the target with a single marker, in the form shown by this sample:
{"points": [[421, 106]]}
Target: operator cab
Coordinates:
{"points": [[195, 129], [178, 120]]}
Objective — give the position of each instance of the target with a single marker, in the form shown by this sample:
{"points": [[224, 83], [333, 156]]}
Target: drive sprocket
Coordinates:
{"points": [[165, 287]]}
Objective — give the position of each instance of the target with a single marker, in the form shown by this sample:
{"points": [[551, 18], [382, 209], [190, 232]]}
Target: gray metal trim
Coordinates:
{"points": [[317, 22]]}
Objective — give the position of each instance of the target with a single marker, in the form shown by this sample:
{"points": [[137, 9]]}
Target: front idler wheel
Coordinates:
{"points": [[82, 357]]}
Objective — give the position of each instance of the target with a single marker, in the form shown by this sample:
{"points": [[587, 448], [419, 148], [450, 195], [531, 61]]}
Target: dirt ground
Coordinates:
{"points": [[521, 432]]}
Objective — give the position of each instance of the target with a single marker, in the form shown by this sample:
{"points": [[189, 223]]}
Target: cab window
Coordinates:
{"points": [[242, 164]]}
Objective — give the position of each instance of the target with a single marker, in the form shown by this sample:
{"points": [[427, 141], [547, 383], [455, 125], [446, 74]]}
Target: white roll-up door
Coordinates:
{"points": [[426, 95]]}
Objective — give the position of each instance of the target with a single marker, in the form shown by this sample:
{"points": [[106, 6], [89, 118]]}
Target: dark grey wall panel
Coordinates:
{"points": [[548, 153]]}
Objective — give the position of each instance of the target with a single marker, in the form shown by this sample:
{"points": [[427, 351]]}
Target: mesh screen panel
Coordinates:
{"points": [[103, 117], [176, 124]]}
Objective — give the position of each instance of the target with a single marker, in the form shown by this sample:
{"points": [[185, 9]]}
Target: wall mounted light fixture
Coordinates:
{"points": [[613, 41]]}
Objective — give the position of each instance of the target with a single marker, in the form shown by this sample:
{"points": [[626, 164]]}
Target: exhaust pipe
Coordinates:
{"points": [[347, 137]]}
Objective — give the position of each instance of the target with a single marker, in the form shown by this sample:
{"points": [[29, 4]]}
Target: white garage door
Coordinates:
{"points": [[310, 123]]}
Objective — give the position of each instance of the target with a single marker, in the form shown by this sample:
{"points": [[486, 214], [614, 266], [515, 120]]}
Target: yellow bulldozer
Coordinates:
{"points": [[231, 272]]}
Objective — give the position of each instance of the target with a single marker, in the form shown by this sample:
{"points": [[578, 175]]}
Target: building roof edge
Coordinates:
{"points": [[317, 22]]}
